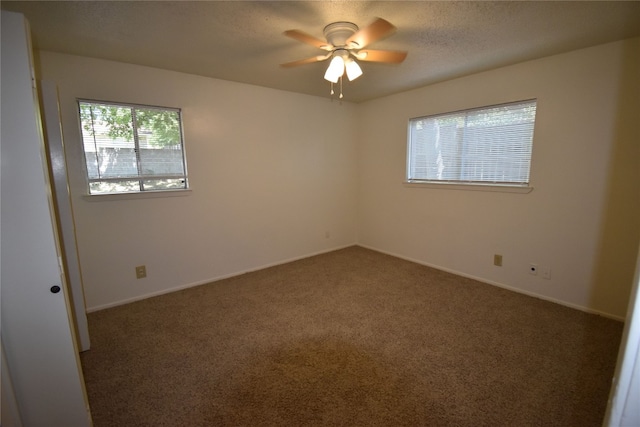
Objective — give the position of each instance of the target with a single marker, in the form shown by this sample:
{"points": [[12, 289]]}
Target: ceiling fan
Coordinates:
{"points": [[345, 40]]}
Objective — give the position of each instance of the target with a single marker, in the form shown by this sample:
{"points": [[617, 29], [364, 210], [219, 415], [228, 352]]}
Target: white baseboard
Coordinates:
{"points": [[500, 285], [285, 261], [214, 279]]}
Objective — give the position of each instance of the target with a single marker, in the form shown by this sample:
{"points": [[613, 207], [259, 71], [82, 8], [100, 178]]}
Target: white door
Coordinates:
{"points": [[623, 408], [64, 211], [37, 339]]}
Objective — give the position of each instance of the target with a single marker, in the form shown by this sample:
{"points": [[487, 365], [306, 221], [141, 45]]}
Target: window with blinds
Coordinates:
{"points": [[489, 145], [132, 148]]}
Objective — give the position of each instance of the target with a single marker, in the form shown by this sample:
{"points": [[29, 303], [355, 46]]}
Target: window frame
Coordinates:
{"points": [[141, 192], [480, 185]]}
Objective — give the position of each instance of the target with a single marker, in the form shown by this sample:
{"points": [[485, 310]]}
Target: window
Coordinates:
{"points": [[132, 148], [488, 145]]}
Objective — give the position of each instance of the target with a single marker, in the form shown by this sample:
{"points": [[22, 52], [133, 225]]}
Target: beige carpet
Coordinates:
{"points": [[348, 338]]}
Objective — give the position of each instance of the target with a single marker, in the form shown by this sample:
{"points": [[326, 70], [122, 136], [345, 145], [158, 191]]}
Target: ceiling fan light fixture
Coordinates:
{"points": [[353, 69], [335, 70], [343, 39]]}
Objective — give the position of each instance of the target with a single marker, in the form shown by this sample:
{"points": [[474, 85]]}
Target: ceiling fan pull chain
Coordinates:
{"points": [[332, 91], [340, 87]]}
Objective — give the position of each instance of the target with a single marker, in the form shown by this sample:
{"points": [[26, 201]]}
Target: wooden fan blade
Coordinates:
{"points": [[308, 39], [390, 56], [378, 29], [311, 60]]}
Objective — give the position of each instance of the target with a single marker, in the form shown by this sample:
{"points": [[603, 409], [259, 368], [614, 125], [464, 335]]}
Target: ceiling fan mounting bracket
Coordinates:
{"points": [[337, 33]]}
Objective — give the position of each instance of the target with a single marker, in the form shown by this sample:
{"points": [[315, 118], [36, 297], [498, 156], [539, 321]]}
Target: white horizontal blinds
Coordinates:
{"points": [[486, 145], [435, 148], [132, 148]]}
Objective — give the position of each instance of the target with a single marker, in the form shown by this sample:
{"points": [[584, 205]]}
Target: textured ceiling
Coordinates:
{"points": [[242, 40]]}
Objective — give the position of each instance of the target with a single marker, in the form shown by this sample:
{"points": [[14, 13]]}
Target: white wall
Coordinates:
{"points": [[271, 173], [581, 219]]}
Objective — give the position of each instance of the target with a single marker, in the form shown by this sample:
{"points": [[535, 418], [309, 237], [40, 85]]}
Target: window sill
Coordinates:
{"points": [[139, 195], [470, 187]]}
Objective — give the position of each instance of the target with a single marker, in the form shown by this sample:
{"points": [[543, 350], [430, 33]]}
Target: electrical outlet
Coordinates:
{"points": [[497, 260], [141, 272], [546, 273], [533, 269], [327, 234]]}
